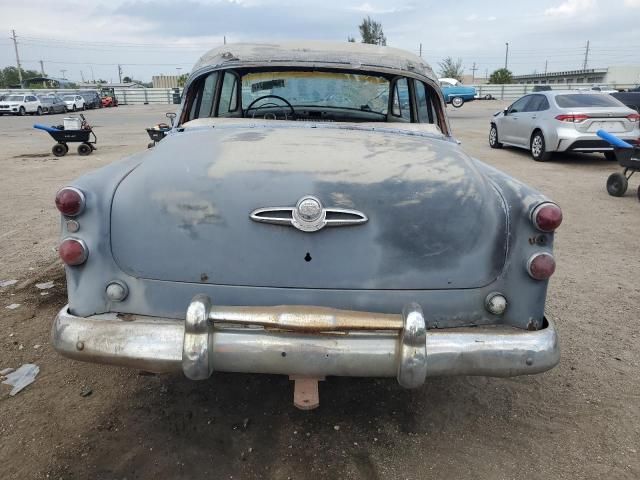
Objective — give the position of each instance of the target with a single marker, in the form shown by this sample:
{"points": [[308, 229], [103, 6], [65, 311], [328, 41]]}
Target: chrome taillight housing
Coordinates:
{"points": [[541, 266], [73, 251], [546, 217], [70, 201]]}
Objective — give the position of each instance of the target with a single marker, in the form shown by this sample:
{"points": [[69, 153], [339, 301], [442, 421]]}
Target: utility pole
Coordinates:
{"points": [[546, 64], [120, 73], [93, 78], [42, 67], [473, 72], [63, 74], [224, 39], [421, 50], [586, 57], [82, 76], [15, 46], [506, 55]]}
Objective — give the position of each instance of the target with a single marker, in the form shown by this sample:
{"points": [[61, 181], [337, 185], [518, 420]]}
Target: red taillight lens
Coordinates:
{"points": [[70, 201], [572, 118], [634, 117], [541, 266], [547, 217], [73, 251]]}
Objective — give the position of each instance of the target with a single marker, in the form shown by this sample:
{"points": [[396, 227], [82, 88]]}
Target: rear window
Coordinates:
{"points": [[578, 100]]}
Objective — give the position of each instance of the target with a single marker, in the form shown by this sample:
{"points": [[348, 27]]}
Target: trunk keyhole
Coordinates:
{"points": [[307, 257]]}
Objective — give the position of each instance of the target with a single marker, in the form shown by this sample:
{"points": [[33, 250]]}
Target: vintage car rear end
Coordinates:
{"points": [[291, 243]]}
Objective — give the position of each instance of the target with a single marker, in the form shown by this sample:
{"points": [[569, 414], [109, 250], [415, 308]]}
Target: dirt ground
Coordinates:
{"points": [[580, 420]]}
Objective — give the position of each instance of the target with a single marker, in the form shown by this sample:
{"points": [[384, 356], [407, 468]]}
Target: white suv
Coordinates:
{"points": [[20, 104], [74, 102]]}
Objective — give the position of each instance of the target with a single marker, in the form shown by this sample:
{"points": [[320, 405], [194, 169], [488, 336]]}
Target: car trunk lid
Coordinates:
{"points": [[434, 221]]}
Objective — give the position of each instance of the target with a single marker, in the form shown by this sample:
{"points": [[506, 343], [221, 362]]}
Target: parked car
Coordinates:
{"points": [[359, 247], [455, 93], [52, 104], [20, 105], [91, 98], [563, 121], [603, 89], [74, 102], [630, 99]]}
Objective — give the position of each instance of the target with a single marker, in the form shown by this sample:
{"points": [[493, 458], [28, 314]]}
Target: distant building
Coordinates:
{"points": [[164, 81], [613, 76]]}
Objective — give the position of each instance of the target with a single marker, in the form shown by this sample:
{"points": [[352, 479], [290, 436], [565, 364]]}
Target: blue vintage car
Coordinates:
{"points": [[310, 214], [455, 93]]}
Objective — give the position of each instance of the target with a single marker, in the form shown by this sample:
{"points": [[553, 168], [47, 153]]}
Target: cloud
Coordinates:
{"points": [[572, 8], [369, 9], [632, 3]]}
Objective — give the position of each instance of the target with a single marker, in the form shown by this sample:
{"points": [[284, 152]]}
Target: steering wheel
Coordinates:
{"points": [[284, 100]]}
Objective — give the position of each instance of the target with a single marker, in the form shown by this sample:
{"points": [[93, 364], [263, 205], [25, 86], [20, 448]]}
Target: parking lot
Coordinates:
{"points": [[579, 420]]}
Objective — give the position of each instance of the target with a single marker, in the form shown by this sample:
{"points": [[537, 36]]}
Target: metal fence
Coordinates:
{"points": [[145, 96], [515, 91], [125, 96]]}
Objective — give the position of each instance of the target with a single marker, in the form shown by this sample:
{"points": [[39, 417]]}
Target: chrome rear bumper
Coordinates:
{"points": [[303, 341]]}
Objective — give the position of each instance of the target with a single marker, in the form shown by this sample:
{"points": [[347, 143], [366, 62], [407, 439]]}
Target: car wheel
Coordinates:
{"points": [[457, 102], [639, 193], [493, 137], [59, 149], [84, 149], [39, 111], [611, 156], [617, 184], [538, 148], [21, 111]]}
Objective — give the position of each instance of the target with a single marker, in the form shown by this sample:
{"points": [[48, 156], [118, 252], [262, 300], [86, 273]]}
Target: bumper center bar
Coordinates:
{"points": [[304, 341]]}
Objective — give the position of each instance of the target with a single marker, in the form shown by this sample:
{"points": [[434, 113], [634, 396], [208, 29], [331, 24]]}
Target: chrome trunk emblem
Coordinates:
{"points": [[308, 215]]}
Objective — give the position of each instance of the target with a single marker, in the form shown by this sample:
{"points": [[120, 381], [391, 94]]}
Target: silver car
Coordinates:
{"points": [[563, 121]]}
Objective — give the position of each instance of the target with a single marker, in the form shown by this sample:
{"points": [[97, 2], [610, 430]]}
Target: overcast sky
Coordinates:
{"points": [[163, 36]]}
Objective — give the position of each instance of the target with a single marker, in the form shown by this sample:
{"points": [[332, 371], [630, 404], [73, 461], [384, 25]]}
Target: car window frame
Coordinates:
{"points": [[526, 98], [429, 102], [393, 92], [235, 92]]}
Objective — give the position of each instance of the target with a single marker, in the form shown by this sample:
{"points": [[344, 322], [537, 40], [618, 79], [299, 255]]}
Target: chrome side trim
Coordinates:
{"points": [[198, 347]]}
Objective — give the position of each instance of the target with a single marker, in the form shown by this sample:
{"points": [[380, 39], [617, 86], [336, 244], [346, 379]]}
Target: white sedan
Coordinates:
{"points": [[74, 102]]}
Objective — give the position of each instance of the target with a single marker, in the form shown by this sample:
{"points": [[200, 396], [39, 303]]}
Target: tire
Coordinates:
{"points": [[457, 102], [73, 109], [39, 111], [639, 193], [611, 156], [21, 111], [84, 149], [493, 137], [538, 147], [617, 184], [59, 149]]}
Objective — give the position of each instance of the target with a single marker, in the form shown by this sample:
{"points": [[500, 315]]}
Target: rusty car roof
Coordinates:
{"points": [[339, 54]]}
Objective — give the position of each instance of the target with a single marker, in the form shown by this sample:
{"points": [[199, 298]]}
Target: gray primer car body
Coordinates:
{"points": [[444, 230]]}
